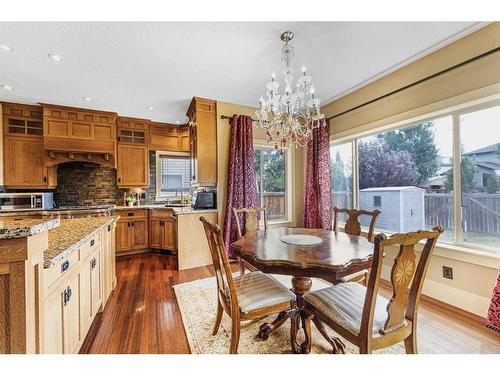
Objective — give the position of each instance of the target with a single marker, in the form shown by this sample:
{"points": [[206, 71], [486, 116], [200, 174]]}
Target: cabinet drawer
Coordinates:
{"points": [[163, 214], [124, 214], [54, 273], [89, 246]]}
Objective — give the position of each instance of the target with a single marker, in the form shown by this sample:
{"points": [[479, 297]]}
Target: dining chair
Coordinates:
{"points": [[252, 218], [353, 227], [360, 314], [246, 297]]}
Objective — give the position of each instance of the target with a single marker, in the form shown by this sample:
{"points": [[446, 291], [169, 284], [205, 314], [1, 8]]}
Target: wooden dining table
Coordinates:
{"points": [[338, 255]]}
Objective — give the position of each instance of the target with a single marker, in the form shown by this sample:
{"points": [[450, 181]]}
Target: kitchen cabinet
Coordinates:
{"points": [[23, 158], [132, 231], [168, 137], [163, 230], [133, 166], [133, 152], [108, 278], [90, 289], [203, 141], [61, 318], [78, 134]]}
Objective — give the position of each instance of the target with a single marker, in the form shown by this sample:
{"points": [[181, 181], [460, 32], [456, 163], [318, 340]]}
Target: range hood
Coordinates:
{"points": [[78, 134]]}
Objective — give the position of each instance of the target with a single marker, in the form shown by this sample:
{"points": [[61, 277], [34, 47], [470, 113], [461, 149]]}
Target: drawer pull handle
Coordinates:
{"points": [[93, 263], [130, 214], [92, 243], [67, 295], [109, 228], [65, 266]]}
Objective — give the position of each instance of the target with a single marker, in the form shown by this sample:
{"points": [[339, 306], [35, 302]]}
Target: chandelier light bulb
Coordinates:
{"points": [[273, 75], [304, 70]]}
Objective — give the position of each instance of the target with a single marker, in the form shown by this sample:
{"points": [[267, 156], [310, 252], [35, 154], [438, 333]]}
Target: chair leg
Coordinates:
{"points": [[365, 348], [218, 318], [411, 343], [338, 347], [242, 267], [235, 335], [306, 322]]}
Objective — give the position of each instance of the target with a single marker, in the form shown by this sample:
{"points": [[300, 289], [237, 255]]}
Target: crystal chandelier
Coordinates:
{"points": [[289, 115]]}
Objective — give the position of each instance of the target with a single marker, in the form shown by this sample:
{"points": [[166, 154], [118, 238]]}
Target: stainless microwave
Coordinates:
{"points": [[26, 201]]}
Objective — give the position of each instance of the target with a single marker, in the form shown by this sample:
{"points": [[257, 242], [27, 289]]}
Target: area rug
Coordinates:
{"points": [[197, 302]]}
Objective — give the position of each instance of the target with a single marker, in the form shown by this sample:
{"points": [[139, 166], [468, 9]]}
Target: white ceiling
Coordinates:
{"points": [[126, 67]]}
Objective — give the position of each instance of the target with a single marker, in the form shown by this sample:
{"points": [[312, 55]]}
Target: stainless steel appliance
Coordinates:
{"points": [[26, 201], [205, 200]]}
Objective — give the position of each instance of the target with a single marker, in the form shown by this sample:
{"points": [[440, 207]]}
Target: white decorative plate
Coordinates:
{"points": [[301, 239]]}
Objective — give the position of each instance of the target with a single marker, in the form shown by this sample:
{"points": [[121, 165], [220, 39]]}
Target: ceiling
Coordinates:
{"points": [[128, 67]]}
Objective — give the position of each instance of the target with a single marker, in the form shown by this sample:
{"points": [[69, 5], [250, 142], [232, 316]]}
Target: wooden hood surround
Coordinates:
{"points": [[77, 134]]}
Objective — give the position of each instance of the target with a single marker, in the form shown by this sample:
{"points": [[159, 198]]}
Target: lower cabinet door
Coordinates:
{"points": [[170, 234], [52, 341], [122, 235], [95, 277], [139, 229], [155, 233], [85, 296], [71, 316]]}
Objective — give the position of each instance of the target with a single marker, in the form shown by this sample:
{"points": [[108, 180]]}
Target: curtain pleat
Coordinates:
{"points": [[241, 181], [494, 310], [317, 190]]}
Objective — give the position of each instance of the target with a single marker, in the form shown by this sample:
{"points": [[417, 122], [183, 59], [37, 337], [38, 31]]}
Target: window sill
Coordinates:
{"points": [[280, 223]]}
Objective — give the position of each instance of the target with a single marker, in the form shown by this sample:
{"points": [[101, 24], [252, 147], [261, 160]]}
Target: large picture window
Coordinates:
{"points": [[271, 176], [409, 174]]}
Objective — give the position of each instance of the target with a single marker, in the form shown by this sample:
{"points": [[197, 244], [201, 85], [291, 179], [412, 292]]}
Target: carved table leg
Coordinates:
{"points": [[300, 286], [335, 342], [267, 328]]}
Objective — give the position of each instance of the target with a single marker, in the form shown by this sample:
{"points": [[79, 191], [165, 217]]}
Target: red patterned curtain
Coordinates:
{"points": [[494, 310], [241, 182], [317, 194]]}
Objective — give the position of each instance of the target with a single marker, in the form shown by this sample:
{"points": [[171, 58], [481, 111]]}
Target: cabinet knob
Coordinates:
{"points": [[119, 180], [65, 266], [45, 179], [92, 243]]}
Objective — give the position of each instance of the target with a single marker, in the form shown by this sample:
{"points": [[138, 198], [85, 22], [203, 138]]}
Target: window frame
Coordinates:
{"points": [[288, 181], [455, 113], [159, 196]]}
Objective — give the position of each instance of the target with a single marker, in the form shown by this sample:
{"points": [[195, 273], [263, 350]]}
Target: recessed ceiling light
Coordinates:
{"points": [[87, 99], [151, 107], [56, 58], [177, 122], [7, 87], [6, 48]]}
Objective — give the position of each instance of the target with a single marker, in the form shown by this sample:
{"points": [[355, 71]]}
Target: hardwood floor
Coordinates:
{"points": [[142, 315]]}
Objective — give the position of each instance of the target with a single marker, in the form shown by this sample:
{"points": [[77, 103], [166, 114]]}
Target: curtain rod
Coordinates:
{"points": [[495, 50], [230, 118]]}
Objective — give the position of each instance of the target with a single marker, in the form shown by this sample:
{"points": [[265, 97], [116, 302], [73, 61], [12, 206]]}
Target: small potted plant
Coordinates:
{"points": [[131, 200]]}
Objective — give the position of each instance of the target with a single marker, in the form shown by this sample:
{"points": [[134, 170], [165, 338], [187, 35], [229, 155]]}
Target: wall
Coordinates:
{"points": [[223, 134], [474, 271]]}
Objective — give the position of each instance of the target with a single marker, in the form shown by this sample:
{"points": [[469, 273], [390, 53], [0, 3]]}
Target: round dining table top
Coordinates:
{"points": [[336, 256]]}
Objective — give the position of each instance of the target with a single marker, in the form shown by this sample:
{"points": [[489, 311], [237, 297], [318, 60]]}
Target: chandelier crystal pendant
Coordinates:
{"points": [[289, 114]]}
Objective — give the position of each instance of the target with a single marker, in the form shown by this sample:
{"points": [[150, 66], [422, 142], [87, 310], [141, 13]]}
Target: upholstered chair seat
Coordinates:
{"points": [[344, 303], [256, 290]]}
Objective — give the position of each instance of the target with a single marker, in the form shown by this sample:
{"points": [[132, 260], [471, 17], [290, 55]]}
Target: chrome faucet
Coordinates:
{"points": [[176, 191]]}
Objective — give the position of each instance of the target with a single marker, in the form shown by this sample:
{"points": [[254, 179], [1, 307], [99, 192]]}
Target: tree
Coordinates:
{"points": [[379, 167], [468, 171], [273, 170], [492, 184], [339, 180], [418, 141]]}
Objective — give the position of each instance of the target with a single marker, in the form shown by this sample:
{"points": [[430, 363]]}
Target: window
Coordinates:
{"points": [[341, 165], [408, 173], [480, 176], [172, 174], [271, 176]]}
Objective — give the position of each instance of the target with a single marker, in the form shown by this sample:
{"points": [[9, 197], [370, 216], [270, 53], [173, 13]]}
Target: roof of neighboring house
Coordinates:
{"points": [[484, 150], [392, 188], [489, 165]]}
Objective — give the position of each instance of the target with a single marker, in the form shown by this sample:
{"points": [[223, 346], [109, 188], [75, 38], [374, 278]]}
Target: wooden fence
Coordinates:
{"points": [[275, 203]]}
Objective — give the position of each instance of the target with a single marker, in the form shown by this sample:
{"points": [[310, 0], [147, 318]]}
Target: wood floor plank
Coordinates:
{"points": [[142, 314]]}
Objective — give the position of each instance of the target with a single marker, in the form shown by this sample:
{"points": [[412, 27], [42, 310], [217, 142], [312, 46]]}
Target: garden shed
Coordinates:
{"points": [[402, 207]]}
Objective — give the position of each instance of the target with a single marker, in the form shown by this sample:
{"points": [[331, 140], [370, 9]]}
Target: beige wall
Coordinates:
{"points": [[474, 272], [223, 134], [1, 147]]}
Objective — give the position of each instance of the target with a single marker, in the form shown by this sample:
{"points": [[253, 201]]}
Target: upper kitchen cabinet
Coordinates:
{"points": [[23, 158], [76, 134], [133, 152], [203, 141], [168, 137]]}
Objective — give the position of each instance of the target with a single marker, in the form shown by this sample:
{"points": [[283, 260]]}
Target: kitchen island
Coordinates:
{"points": [[55, 275]]}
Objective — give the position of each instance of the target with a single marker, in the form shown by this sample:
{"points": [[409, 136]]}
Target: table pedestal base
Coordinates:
{"points": [[300, 286]]}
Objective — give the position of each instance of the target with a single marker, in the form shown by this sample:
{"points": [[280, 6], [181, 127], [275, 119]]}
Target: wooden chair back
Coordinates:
{"points": [[225, 283], [352, 225], [406, 273], [251, 218]]}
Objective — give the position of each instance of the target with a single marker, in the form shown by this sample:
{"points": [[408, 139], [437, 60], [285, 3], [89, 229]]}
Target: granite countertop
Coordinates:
{"points": [[178, 210], [70, 235], [24, 227]]}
